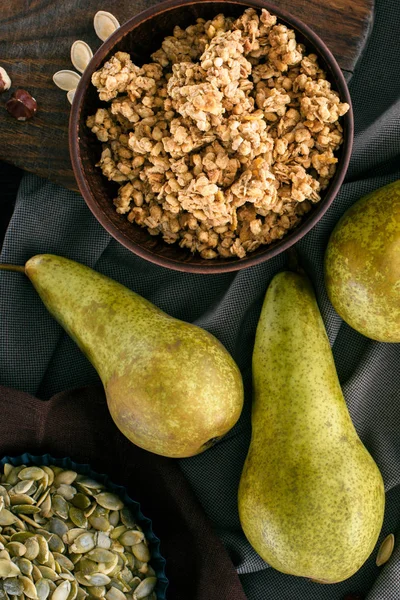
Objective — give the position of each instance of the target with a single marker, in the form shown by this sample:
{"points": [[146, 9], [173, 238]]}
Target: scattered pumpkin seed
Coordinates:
{"points": [[81, 55], [104, 24], [385, 550], [66, 80]]}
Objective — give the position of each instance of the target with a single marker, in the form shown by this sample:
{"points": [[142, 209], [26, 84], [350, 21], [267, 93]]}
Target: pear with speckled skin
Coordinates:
{"points": [[171, 387], [362, 265], [311, 498]]}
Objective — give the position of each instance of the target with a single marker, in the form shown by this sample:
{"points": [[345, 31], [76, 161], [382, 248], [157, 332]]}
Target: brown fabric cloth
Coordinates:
{"points": [[77, 424]]}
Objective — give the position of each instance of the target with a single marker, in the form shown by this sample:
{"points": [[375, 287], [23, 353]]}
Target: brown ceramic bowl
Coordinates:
{"points": [[140, 36]]}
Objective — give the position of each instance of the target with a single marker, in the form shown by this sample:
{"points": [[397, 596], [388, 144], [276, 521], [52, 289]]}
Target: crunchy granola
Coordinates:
{"points": [[225, 140]]}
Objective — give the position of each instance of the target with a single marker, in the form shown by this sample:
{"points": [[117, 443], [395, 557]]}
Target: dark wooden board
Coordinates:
{"points": [[35, 41]]}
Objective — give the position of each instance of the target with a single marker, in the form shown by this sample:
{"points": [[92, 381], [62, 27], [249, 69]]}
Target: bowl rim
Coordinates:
{"points": [[231, 264]]}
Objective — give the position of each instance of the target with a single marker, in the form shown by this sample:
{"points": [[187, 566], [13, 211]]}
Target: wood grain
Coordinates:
{"points": [[35, 40]]}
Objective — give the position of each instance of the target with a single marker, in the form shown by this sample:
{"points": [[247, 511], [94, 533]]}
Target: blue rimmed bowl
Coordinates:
{"points": [[157, 561]]}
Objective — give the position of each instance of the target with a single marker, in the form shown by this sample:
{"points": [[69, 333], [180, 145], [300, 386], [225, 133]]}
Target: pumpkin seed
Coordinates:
{"points": [[89, 483], [50, 474], [60, 506], [48, 573], [80, 501], [77, 517], [13, 586], [33, 473], [110, 567], [66, 491], [21, 536], [45, 506], [145, 588], [99, 523], [7, 469], [8, 568], [7, 517], [29, 587], [141, 552], [43, 554], [82, 594], [56, 544], [136, 581], [74, 590], [62, 591], [87, 567], [385, 550], [104, 24], [117, 531], [25, 566], [65, 477], [66, 80], [57, 526], [16, 499], [42, 589], [127, 518], [32, 548], [131, 538], [4, 495], [16, 548], [102, 540], [81, 55], [115, 594], [114, 518], [98, 579], [12, 476], [64, 561], [109, 501], [100, 555], [26, 509], [98, 591], [83, 543]]}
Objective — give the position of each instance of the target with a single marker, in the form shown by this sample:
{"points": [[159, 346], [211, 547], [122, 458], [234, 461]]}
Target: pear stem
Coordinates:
{"points": [[16, 268]]}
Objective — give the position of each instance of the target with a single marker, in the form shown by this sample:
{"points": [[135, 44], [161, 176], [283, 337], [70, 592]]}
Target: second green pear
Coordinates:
{"points": [[311, 498], [171, 387]]}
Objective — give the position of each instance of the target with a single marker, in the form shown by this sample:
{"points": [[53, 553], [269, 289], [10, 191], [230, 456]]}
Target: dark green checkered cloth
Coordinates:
{"points": [[38, 357]]}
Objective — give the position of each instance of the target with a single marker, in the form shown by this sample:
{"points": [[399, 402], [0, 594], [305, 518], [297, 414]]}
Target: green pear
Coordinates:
{"points": [[311, 498], [362, 265], [171, 387]]}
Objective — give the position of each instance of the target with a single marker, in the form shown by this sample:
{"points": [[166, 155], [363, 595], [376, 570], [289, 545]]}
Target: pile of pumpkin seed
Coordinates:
{"points": [[63, 536]]}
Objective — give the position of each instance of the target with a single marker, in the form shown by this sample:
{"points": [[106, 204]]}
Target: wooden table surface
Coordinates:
{"points": [[35, 41]]}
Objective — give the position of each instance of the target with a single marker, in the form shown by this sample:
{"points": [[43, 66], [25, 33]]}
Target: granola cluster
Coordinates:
{"points": [[225, 140]]}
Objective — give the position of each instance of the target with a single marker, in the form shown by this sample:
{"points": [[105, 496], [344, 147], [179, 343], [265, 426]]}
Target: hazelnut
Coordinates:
{"points": [[5, 81], [21, 105]]}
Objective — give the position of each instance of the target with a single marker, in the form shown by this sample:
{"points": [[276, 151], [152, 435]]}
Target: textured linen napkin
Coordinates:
{"points": [[38, 357], [77, 424]]}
